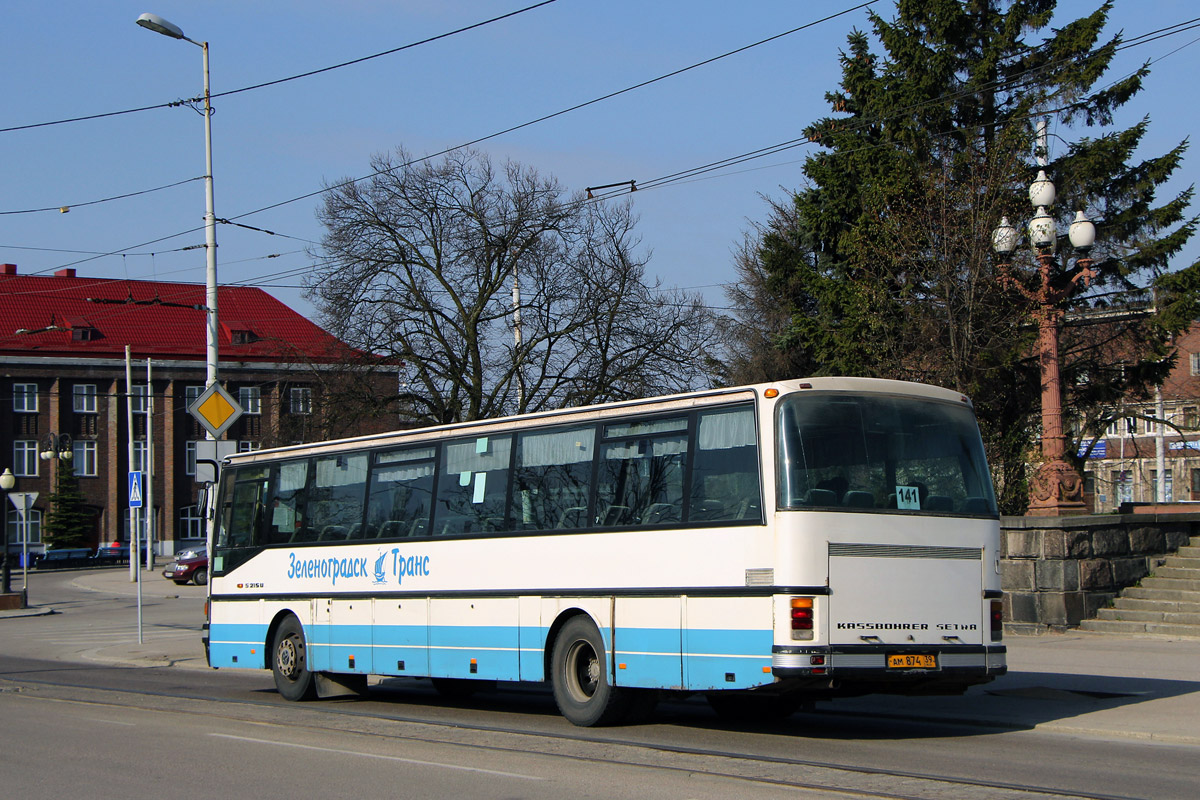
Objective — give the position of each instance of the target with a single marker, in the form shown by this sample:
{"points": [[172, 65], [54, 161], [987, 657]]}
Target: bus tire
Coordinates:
{"points": [[579, 675], [289, 662]]}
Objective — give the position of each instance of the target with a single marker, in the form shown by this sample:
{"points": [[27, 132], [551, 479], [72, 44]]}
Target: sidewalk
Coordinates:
{"points": [[1081, 683]]}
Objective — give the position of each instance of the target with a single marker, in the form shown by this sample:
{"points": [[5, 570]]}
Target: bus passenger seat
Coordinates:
{"points": [[453, 525], [708, 510], [660, 513], [859, 499], [615, 515], [304, 535], [392, 529], [420, 527], [573, 517], [938, 502], [975, 505], [331, 532], [821, 497]]}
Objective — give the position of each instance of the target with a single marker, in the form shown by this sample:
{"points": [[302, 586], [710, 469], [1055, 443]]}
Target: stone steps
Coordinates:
{"points": [[1156, 615], [1166, 603], [1127, 628], [1163, 595], [1176, 606]]}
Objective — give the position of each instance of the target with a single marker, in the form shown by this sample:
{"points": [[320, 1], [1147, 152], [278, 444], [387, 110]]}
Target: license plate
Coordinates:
{"points": [[912, 661]]}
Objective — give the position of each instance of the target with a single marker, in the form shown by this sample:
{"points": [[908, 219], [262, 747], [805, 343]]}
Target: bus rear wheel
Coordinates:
{"points": [[289, 662], [580, 677]]}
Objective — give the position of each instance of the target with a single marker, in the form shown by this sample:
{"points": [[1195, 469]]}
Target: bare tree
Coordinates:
{"points": [[498, 292]]}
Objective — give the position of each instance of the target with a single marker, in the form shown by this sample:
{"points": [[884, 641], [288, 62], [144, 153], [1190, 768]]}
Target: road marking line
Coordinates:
{"points": [[373, 755]]}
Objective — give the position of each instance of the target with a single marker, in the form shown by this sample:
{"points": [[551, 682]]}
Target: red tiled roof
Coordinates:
{"points": [[156, 318]]}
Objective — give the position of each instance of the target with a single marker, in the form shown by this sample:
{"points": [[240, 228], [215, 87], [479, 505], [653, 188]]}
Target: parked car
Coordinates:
{"points": [[115, 553], [189, 565]]}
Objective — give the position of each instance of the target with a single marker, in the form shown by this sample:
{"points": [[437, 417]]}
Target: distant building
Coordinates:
{"points": [[1123, 465], [62, 371]]}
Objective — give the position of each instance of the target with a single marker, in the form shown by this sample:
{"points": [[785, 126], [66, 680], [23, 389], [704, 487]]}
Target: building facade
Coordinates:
{"points": [[65, 402], [1122, 466]]}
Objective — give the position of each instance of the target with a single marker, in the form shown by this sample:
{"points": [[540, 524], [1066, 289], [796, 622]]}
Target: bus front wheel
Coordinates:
{"points": [[289, 662], [580, 677]]}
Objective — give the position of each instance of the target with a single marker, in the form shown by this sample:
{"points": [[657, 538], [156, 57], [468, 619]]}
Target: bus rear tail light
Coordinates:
{"points": [[802, 617], [997, 617]]}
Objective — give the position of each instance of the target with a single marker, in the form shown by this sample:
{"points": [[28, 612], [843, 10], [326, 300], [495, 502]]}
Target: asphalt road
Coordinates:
{"points": [[161, 731]]}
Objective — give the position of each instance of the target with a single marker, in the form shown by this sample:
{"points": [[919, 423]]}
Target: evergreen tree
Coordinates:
{"points": [[69, 522], [885, 259]]}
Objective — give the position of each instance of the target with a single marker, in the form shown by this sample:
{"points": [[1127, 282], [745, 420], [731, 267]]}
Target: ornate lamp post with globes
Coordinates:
{"points": [[1057, 487]]}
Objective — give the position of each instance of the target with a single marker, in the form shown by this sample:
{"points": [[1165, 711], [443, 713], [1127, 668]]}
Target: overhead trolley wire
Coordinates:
{"points": [[176, 103]]}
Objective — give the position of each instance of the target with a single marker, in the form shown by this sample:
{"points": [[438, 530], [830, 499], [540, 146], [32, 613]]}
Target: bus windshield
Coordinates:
{"points": [[882, 453]]}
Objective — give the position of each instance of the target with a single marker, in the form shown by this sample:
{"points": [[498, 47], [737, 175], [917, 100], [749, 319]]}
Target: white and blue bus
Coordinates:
{"points": [[765, 545]]}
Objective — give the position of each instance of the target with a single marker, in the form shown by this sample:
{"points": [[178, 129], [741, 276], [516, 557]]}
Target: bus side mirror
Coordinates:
{"points": [[202, 501]]}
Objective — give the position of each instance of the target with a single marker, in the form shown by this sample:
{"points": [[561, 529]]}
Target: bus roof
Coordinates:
{"points": [[647, 405]]}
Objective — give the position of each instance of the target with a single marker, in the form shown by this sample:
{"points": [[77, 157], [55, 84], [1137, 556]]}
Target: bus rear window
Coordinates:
{"points": [[881, 453]]}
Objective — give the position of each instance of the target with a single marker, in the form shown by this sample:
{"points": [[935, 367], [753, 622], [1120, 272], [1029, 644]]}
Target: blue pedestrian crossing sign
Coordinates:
{"points": [[135, 489]]}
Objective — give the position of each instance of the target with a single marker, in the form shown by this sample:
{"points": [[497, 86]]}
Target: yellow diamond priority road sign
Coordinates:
{"points": [[216, 410]]}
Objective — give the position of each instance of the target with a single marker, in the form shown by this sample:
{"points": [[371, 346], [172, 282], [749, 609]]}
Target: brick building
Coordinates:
{"points": [[62, 388], [1123, 465]]}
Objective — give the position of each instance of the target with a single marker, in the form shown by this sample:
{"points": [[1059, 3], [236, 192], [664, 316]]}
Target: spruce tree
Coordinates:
{"points": [[69, 522], [885, 259]]}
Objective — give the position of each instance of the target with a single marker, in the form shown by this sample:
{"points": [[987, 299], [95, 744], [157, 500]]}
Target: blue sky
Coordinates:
{"points": [[79, 57]]}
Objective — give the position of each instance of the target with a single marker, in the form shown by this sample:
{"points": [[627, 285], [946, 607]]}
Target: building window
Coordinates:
{"points": [[250, 399], [1196, 363], [16, 531], [25, 458], [143, 525], [191, 523], [25, 398], [301, 400], [191, 394], [139, 456], [247, 446], [1168, 489], [137, 399], [189, 457], [1191, 417], [1195, 483], [1122, 486], [84, 397], [85, 459]]}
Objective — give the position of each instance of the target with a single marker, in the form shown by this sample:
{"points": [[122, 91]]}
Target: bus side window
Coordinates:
{"points": [[553, 479], [287, 511], [336, 496], [400, 495], [472, 486], [725, 483], [641, 482]]}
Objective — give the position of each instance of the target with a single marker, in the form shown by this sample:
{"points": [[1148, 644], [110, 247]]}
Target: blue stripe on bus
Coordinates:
{"points": [[644, 657], [237, 645]]}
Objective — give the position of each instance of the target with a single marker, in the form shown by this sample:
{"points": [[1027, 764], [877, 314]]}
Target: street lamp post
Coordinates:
{"points": [[157, 24], [7, 482], [1056, 488], [55, 447]]}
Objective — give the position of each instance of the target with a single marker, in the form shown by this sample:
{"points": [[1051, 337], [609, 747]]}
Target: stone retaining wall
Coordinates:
{"points": [[1057, 571]]}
